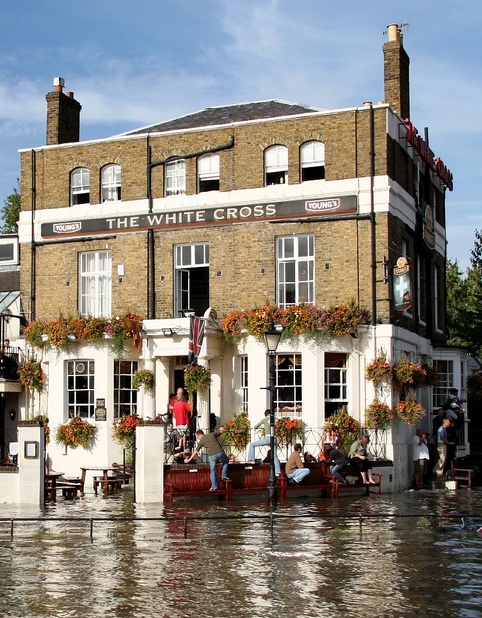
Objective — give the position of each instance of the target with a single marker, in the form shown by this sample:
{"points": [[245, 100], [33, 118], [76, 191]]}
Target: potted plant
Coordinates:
{"points": [[145, 378], [124, 430], [237, 431], [288, 430], [77, 432], [378, 415], [410, 411], [31, 375]]}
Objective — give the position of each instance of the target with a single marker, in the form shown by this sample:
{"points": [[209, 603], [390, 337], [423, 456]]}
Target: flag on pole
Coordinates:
{"points": [[196, 336]]}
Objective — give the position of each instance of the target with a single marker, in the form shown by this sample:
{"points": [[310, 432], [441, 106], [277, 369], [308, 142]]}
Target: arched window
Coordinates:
{"points": [[208, 173], [175, 177], [313, 161], [111, 182], [276, 165], [80, 186]]}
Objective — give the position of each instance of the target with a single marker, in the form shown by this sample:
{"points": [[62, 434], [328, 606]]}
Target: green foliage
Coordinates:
{"points": [[464, 291], [11, 211]]}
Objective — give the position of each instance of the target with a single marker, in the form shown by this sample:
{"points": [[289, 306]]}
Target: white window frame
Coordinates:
{"points": [[8, 250], [80, 388], [276, 165], [312, 156], [111, 182], [208, 167], [175, 177], [125, 396], [295, 266], [244, 382], [95, 283], [288, 384], [187, 257], [80, 186]]}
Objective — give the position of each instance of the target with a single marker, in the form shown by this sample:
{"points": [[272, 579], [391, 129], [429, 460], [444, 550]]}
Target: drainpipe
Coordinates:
{"points": [[33, 193], [372, 215], [151, 276]]}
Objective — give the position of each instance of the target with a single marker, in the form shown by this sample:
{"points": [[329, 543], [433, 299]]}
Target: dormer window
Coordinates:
{"points": [[80, 186], [312, 161], [111, 182], [276, 165]]}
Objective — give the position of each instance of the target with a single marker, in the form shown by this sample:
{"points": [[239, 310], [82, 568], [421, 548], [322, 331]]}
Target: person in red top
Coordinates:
{"points": [[181, 412]]}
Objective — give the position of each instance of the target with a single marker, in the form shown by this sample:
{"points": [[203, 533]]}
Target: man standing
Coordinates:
{"points": [[181, 413], [264, 425], [420, 457], [442, 443], [294, 468], [215, 453]]}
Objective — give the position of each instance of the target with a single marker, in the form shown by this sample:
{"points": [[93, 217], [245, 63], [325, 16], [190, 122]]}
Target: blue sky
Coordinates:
{"points": [[131, 64]]}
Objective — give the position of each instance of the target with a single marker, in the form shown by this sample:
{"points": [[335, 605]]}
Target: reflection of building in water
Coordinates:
{"points": [[228, 209]]}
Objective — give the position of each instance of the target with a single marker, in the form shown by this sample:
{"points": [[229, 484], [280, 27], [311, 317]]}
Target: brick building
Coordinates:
{"points": [[224, 210]]}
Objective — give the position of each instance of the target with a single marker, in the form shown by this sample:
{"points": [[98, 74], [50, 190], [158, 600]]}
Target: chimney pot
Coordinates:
{"points": [[59, 83], [393, 32], [70, 95]]}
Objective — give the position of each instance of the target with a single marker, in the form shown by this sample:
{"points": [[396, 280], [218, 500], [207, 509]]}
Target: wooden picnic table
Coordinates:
{"points": [[106, 480]]}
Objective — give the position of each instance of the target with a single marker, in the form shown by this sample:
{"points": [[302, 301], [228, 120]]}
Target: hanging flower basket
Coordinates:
{"points": [[124, 430], [379, 370], [43, 420], [410, 411], [237, 431], [196, 378], [145, 378], [378, 415], [408, 375], [289, 430], [345, 426], [77, 432], [31, 375]]}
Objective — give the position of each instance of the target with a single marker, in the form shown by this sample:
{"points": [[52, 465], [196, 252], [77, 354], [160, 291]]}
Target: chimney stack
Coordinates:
{"points": [[63, 115], [396, 72]]}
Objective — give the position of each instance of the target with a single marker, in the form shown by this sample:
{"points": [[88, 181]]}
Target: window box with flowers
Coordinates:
{"points": [[297, 320], [61, 332], [379, 370], [410, 411], [145, 378], [77, 432], [289, 430], [237, 431], [378, 415], [124, 430], [31, 375]]}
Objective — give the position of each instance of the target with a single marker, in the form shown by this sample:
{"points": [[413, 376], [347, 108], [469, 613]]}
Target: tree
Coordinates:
{"points": [[11, 211], [464, 296]]}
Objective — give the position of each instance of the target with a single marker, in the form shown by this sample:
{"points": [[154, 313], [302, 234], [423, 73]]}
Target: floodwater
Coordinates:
{"points": [[404, 555]]}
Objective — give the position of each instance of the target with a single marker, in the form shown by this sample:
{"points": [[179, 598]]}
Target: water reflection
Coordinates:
{"points": [[213, 559]]}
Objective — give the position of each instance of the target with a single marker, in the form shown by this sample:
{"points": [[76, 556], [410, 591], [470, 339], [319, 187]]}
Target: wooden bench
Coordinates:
{"points": [[113, 482], [316, 480], [124, 473], [354, 472], [249, 478], [182, 480], [463, 477], [68, 489]]}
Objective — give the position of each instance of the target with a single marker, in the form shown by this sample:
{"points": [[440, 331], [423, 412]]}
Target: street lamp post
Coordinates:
{"points": [[272, 338]]}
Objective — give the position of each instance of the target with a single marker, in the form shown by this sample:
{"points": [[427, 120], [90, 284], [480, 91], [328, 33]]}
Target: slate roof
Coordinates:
{"points": [[227, 114]]}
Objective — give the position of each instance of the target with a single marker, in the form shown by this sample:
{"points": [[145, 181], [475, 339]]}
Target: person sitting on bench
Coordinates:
{"points": [[338, 461], [359, 456], [294, 468]]}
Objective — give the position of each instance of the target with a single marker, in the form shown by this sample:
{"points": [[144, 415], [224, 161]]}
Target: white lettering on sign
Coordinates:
{"points": [[322, 205], [66, 228]]}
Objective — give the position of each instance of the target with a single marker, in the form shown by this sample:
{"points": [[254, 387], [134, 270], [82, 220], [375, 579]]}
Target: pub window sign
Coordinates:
{"points": [[402, 285]]}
